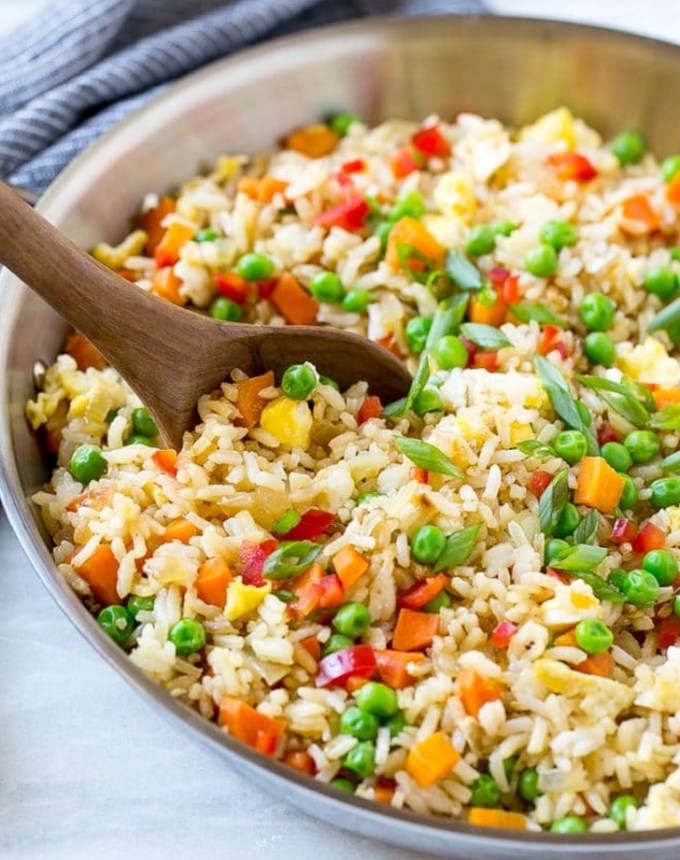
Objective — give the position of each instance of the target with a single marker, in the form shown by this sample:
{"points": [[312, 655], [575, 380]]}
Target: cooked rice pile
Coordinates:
{"points": [[591, 735]]}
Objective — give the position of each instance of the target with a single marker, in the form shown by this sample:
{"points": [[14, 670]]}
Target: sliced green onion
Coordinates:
{"points": [[290, 559], [426, 456], [542, 314], [458, 549], [580, 557], [287, 522], [485, 336], [462, 271], [552, 502]]}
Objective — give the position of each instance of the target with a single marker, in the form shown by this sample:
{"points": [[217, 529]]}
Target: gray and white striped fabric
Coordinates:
{"points": [[81, 65]]}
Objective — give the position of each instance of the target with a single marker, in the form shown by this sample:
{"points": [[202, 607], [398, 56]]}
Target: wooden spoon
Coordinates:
{"points": [[171, 356]]}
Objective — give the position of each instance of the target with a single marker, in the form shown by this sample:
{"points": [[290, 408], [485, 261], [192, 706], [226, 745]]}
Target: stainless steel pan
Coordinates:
{"points": [[511, 69]]}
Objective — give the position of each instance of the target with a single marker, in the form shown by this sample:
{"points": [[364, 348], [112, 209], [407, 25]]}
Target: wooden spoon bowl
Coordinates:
{"points": [[171, 356]]}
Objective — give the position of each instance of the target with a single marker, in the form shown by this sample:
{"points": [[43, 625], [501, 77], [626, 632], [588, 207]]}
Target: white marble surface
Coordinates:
{"points": [[87, 769]]}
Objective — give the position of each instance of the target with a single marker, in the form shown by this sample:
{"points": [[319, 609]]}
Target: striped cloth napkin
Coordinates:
{"points": [[80, 66]]}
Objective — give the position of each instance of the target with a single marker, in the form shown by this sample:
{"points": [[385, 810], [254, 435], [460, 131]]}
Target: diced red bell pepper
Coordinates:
{"points": [[253, 556], [422, 592], [406, 161], [606, 433], [416, 473], [350, 215], [470, 347], [337, 668], [266, 288], [551, 339], [623, 531], [233, 286], [431, 142], [498, 275], [502, 634], [538, 482], [485, 360], [571, 165], [649, 537], [556, 574], [358, 165], [669, 632], [510, 291], [313, 523], [370, 408]]}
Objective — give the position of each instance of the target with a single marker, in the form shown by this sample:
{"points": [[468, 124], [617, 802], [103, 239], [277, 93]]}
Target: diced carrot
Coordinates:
{"points": [[370, 408], [313, 574], [389, 342], [510, 290], [166, 285], [250, 186], [314, 141], [417, 473], [95, 498], [393, 667], [406, 161], [180, 530], [639, 210], [493, 314], [414, 630], [673, 190], [152, 220], [483, 817], [502, 634], [300, 760], [100, 571], [666, 396], [128, 275], [431, 759], [354, 683], [250, 726], [263, 189], [85, 354], [572, 165], [384, 790], [411, 234], [485, 360], [166, 460], [423, 591], [177, 234], [475, 691], [213, 578], [248, 400], [292, 302], [350, 566], [597, 664], [598, 486], [312, 646], [538, 482], [566, 640]]}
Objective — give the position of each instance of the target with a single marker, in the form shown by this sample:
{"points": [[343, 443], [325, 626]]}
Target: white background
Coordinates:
{"points": [[87, 769]]}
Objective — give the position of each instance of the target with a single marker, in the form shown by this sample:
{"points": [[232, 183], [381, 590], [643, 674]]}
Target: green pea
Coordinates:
{"points": [[629, 147], [337, 642], [662, 282], [428, 400], [342, 122], [485, 791], [395, 724], [255, 267], [584, 412], [555, 549], [617, 455], [504, 228], [599, 348], [619, 807], [416, 332], [593, 636], [597, 312], [356, 301], [188, 636], [361, 759], [377, 699], [662, 564], [136, 439], [675, 254], [481, 241], [427, 544], [541, 261], [676, 606], [669, 167], [410, 204], [299, 381], [665, 492], [568, 521], [528, 784], [225, 310], [440, 601], [137, 604], [143, 423], [87, 464], [629, 494], [643, 445], [206, 236], [616, 577], [569, 824], [326, 380], [116, 622], [559, 234], [450, 352], [640, 588], [343, 784], [571, 445], [366, 497], [327, 287], [360, 724], [352, 619]]}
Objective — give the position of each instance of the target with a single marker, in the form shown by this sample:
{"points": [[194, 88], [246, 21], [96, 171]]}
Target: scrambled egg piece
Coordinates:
{"points": [[553, 127], [455, 196], [477, 387], [570, 605], [114, 256], [289, 420], [520, 433], [243, 599], [649, 362], [599, 697], [659, 688]]}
